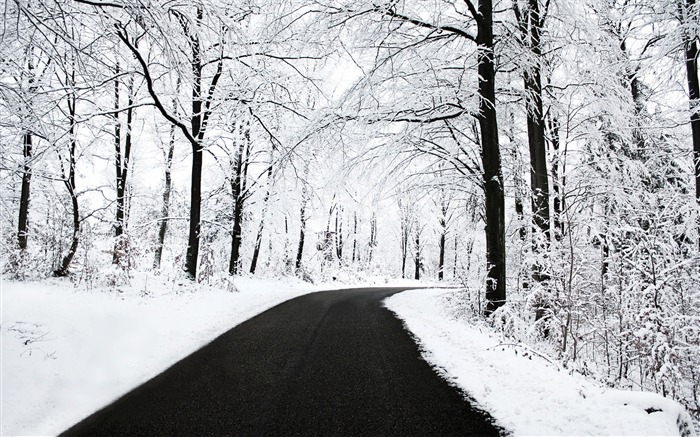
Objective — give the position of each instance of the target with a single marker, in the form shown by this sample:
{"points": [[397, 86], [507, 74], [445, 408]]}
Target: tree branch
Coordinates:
{"points": [[472, 10], [102, 4], [124, 37], [420, 23]]}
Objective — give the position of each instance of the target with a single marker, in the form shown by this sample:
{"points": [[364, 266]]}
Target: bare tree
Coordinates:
{"points": [[689, 17], [261, 225], [303, 217], [167, 187], [201, 109], [239, 192], [68, 174], [122, 157]]}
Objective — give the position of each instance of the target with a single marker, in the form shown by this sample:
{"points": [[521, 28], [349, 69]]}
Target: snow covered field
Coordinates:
{"points": [[67, 352], [524, 392]]}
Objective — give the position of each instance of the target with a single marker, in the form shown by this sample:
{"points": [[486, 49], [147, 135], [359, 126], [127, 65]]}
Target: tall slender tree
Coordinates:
{"points": [[689, 16], [122, 157], [167, 186]]}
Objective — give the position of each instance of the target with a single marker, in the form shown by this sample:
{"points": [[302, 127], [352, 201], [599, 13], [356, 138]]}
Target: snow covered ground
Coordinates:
{"points": [[524, 392], [67, 351]]}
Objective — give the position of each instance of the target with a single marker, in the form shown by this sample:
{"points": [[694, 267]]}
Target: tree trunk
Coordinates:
{"points": [[444, 209], [237, 192], [339, 234], [69, 182], [197, 157], [118, 164], [691, 67], [354, 237], [518, 182], [491, 162], [531, 26], [403, 265], [328, 238], [456, 259], [441, 259], [122, 167], [287, 244], [261, 226], [302, 230], [165, 210], [372, 237], [557, 181], [23, 222], [417, 259], [195, 214], [27, 144], [519, 196], [405, 233]]}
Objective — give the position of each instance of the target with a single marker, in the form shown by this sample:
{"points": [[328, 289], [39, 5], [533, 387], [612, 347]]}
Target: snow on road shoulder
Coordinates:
{"points": [[523, 392], [66, 352]]}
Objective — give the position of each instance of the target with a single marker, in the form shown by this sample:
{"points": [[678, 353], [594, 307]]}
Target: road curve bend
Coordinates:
{"points": [[333, 363]]}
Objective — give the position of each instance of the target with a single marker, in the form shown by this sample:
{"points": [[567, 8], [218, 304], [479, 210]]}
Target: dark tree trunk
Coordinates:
{"points": [[195, 214], [196, 190], [519, 196], [23, 222], [443, 219], [372, 237], [261, 226], [691, 67], [456, 259], [339, 234], [122, 167], [165, 210], [518, 181], [491, 162], [405, 234], [302, 229], [118, 163], [237, 192], [302, 235], [520, 214], [328, 239], [441, 259], [531, 26], [354, 237], [69, 182], [287, 257], [25, 195], [417, 259]]}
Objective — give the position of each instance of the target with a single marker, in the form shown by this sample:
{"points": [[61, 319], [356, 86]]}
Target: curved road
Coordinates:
{"points": [[328, 363]]}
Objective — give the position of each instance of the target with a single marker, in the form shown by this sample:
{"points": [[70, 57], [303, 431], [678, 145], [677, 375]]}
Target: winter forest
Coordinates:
{"points": [[544, 155]]}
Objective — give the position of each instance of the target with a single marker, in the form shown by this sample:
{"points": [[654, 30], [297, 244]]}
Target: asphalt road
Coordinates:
{"points": [[332, 363]]}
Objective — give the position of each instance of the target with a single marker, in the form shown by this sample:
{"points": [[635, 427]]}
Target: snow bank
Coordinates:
{"points": [[525, 392], [67, 352]]}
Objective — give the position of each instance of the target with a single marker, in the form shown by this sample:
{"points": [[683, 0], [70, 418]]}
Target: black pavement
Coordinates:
{"points": [[331, 363]]}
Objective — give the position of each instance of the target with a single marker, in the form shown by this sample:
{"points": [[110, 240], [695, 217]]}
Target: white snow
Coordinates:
{"points": [[524, 391], [66, 351]]}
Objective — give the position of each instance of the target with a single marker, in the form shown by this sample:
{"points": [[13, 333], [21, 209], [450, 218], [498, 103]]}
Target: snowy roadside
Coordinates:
{"points": [[525, 393], [67, 352]]}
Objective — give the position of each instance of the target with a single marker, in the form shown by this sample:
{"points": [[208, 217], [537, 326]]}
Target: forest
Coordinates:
{"points": [[543, 155]]}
